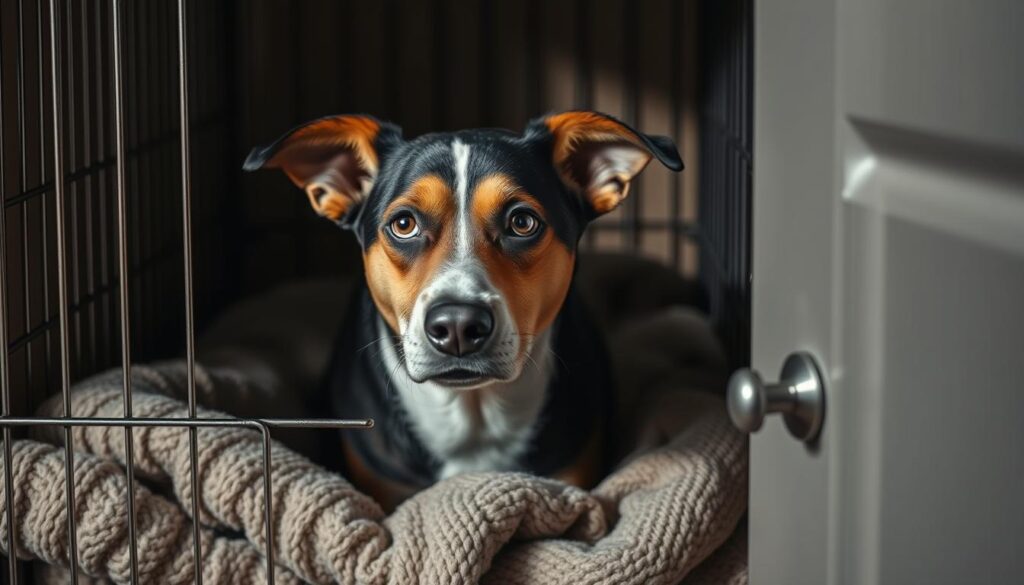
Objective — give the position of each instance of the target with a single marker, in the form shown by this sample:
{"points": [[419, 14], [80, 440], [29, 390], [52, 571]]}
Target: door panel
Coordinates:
{"points": [[964, 188], [931, 407], [953, 411], [949, 66], [892, 167]]}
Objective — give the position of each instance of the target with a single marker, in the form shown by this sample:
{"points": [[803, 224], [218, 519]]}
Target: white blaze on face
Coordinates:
{"points": [[463, 229], [462, 279]]}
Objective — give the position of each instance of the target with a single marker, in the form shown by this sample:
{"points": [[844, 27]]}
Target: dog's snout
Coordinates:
{"points": [[458, 329]]}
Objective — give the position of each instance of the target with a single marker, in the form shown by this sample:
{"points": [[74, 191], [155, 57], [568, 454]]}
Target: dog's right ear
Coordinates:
{"points": [[334, 160]]}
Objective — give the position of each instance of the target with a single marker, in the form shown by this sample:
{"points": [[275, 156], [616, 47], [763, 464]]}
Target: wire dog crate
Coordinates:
{"points": [[96, 176], [127, 224]]}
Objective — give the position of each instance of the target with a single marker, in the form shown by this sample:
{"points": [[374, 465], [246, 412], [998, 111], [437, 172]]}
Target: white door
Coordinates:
{"points": [[888, 240]]}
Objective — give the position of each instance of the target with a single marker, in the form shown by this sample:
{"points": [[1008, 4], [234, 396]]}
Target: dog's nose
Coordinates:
{"points": [[459, 329]]}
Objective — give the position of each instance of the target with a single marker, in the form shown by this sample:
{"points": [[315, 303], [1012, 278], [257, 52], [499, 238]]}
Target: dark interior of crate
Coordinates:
{"points": [[675, 68], [257, 67]]}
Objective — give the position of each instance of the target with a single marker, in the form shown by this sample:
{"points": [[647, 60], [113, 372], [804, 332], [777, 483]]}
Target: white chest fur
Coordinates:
{"points": [[482, 429]]}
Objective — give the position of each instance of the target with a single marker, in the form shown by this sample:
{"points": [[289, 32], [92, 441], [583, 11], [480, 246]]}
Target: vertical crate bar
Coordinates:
{"points": [[583, 90], [630, 220], [5, 369], [5, 392], [122, 257], [268, 511], [486, 62], [190, 341], [675, 95], [23, 174], [62, 283]]}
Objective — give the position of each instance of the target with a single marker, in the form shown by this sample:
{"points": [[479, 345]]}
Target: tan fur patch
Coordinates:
{"points": [[330, 205], [581, 155], [359, 132], [333, 160], [535, 283], [586, 470], [571, 128], [393, 281], [389, 494], [607, 199], [430, 195]]}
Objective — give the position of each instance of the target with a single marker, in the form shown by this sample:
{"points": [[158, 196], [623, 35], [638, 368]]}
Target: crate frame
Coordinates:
{"points": [[82, 186]]}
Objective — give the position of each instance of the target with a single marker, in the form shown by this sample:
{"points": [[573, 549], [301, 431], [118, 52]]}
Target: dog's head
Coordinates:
{"points": [[469, 238]]}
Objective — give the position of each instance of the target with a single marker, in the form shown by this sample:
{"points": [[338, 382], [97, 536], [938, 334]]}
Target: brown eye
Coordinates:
{"points": [[523, 224], [404, 227]]}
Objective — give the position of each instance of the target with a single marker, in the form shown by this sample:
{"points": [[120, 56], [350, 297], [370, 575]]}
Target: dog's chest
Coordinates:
{"points": [[538, 424], [484, 429]]}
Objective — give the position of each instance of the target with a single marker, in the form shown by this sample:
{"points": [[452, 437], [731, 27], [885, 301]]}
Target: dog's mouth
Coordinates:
{"points": [[461, 378], [464, 376]]}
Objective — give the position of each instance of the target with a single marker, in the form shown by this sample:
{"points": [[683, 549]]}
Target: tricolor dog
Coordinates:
{"points": [[468, 345]]}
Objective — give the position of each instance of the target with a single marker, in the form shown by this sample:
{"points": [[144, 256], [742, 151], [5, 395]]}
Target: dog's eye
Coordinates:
{"points": [[404, 226], [523, 224]]}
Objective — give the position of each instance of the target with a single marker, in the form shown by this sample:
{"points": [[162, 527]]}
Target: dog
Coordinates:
{"points": [[467, 344]]}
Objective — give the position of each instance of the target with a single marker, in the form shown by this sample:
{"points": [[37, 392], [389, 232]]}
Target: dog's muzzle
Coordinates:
{"points": [[460, 332]]}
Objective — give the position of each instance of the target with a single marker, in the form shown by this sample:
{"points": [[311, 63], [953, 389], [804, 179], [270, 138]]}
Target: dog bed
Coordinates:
{"points": [[668, 513]]}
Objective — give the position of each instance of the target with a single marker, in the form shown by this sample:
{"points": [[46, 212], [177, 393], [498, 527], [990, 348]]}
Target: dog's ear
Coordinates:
{"points": [[597, 156], [334, 160]]}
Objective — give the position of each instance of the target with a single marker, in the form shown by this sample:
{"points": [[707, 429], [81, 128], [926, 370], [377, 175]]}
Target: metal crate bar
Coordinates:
{"points": [[187, 422], [262, 425], [58, 181], [675, 97], [679, 227], [190, 337], [91, 169], [726, 153], [62, 280], [122, 258], [5, 380]]}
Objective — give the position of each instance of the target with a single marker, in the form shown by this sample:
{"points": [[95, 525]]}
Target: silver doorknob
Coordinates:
{"points": [[799, 396]]}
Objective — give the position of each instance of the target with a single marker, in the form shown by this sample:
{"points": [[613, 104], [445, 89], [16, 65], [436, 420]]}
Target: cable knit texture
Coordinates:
{"points": [[667, 509]]}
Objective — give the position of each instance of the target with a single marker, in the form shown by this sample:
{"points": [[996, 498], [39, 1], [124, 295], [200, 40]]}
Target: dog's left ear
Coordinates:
{"points": [[334, 160], [597, 156]]}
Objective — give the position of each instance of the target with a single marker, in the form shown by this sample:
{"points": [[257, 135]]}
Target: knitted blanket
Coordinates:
{"points": [[665, 514]]}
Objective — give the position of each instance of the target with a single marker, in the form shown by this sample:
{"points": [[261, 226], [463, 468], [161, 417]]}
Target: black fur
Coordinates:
{"points": [[578, 399], [526, 160], [525, 157]]}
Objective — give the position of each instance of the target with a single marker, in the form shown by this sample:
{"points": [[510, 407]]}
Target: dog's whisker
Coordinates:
{"points": [[559, 358], [372, 343], [533, 361], [391, 376]]}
